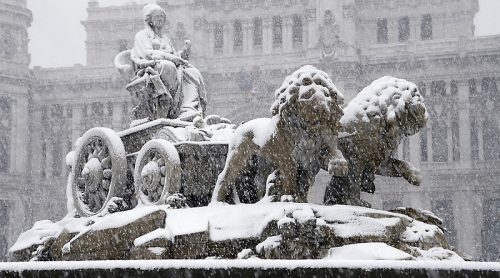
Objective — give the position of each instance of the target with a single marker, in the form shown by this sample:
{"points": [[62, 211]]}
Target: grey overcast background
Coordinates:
{"points": [[57, 38]]}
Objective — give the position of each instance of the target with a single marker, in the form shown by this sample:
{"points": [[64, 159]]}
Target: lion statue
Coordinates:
{"points": [[305, 121], [373, 125]]}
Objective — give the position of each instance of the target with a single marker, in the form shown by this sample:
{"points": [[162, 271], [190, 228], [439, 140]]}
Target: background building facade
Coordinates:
{"points": [[244, 49]]}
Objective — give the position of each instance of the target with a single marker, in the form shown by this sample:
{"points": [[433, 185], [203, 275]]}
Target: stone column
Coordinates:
{"points": [[247, 37], [415, 150], [464, 123], [449, 139], [13, 140], [415, 28], [228, 38], [480, 141], [48, 156], [392, 30], [267, 35], [429, 142], [76, 121], [36, 144], [117, 116], [312, 37], [211, 39], [225, 38]]}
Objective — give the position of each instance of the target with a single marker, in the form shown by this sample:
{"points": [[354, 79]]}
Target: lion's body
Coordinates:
{"points": [[374, 124], [305, 121]]}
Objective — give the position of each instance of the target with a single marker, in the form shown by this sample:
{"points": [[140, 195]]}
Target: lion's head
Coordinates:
{"points": [[308, 95], [393, 103]]}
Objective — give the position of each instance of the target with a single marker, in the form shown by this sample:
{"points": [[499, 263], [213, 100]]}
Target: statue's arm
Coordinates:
{"points": [[393, 167]]}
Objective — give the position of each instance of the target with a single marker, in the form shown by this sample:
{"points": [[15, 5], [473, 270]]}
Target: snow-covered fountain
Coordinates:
{"points": [[181, 185]]}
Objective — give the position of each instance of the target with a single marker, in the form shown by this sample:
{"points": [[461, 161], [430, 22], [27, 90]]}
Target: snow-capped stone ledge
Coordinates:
{"points": [[265, 230]]}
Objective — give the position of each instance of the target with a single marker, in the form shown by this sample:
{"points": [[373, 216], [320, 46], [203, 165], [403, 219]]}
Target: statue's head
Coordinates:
{"points": [[309, 96], [393, 103], [154, 16]]}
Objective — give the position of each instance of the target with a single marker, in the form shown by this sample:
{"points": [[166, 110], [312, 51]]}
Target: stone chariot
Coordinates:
{"points": [[154, 159]]}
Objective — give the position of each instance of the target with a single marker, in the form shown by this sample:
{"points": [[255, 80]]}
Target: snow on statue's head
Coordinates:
{"points": [[391, 102], [150, 11], [309, 95]]}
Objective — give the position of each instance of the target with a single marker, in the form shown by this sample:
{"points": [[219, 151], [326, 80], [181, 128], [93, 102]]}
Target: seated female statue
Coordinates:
{"points": [[179, 90]]}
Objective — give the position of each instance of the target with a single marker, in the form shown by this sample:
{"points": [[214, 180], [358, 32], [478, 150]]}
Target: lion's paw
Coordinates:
{"points": [[414, 177], [287, 198], [337, 167]]}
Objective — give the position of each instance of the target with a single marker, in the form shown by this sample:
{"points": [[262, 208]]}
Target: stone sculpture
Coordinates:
{"points": [[305, 119], [373, 125], [164, 84]]}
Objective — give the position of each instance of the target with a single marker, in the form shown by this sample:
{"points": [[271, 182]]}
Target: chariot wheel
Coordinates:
{"points": [[157, 172], [99, 171]]}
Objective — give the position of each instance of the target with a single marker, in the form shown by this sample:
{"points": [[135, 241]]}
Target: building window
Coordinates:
{"points": [[382, 36], [423, 145], [444, 210], [422, 88], [85, 109], [238, 35], [110, 109], [426, 27], [218, 37], [455, 140], [404, 29], [473, 88], [438, 88], [491, 140], [257, 32], [453, 88], [5, 127], [439, 142], [474, 140], [97, 109], [69, 112], [277, 31], [489, 87], [297, 30]]}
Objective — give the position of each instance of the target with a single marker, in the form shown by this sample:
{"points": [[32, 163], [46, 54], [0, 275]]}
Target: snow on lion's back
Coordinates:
{"points": [[383, 98]]}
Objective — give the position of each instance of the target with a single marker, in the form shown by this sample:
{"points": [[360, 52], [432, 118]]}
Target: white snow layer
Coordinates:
{"points": [[367, 251], [384, 96]]}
